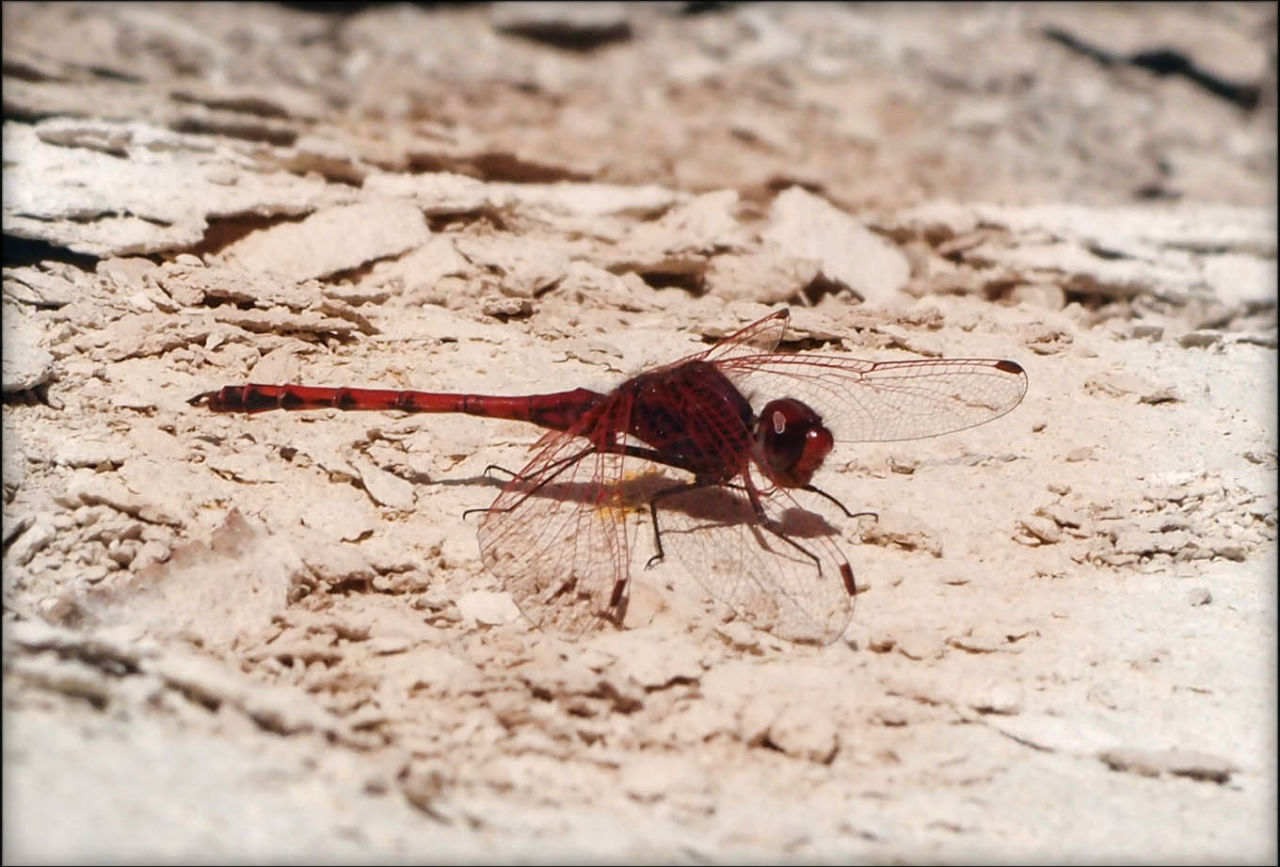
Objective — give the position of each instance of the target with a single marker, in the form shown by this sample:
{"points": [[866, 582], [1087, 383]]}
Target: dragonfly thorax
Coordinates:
{"points": [[693, 417], [791, 442]]}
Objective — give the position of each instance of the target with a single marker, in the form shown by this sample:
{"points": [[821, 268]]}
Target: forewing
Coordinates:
{"points": [[799, 590], [762, 336], [557, 534], [881, 401]]}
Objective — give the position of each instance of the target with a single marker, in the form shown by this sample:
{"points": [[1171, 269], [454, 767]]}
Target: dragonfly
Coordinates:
{"points": [[747, 426]]}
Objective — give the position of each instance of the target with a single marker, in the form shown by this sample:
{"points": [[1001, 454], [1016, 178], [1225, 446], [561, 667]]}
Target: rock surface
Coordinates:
{"points": [[273, 637]]}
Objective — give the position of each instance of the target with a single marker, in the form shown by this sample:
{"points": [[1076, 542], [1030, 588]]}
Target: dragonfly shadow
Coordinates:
{"points": [[482, 479], [633, 492], [729, 506], [779, 566], [713, 505]]}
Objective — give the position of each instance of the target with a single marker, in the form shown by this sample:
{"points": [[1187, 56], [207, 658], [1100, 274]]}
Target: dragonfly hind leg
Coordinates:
{"points": [[556, 468]]}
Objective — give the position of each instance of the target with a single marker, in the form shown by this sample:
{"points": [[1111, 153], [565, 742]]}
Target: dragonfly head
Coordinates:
{"points": [[791, 442]]}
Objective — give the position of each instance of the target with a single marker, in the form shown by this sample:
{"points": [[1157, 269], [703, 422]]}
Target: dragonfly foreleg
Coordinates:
{"points": [[767, 525], [753, 494], [814, 489]]}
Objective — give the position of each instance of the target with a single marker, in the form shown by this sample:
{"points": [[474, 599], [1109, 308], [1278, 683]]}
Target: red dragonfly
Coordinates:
{"points": [[557, 534]]}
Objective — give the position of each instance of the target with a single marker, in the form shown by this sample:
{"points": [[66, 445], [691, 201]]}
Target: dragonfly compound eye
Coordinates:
{"points": [[792, 442]]}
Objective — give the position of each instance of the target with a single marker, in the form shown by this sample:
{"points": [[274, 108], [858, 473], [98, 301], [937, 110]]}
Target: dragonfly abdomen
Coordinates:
{"points": [[559, 411]]}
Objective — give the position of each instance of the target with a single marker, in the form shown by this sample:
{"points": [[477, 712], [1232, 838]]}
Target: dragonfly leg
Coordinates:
{"points": [[653, 514], [494, 468], [560, 466], [814, 489], [487, 470], [753, 494], [767, 525]]}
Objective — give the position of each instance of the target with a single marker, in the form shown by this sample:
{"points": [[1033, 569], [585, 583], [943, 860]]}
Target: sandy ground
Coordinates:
{"points": [[273, 637]]}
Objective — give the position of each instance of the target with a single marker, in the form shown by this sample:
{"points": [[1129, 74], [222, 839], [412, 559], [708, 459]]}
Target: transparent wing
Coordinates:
{"points": [[557, 534], [880, 401], [783, 572], [762, 336]]}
